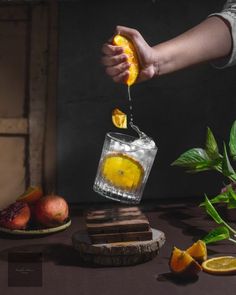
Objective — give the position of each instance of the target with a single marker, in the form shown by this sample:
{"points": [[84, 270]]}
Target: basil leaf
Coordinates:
{"points": [[211, 145], [227, 169], [217, 234], [232, 197], [231, 204], [231, 192], [215, 164], [212, 211], [232, 141], [221, 198], [195, 158]]}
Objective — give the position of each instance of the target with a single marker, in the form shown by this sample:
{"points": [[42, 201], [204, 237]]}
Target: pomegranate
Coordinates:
{"points": [[16, 216], [51, 210]]}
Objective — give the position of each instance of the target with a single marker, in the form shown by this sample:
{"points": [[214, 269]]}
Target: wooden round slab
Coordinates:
{"points": [[118, 254]]}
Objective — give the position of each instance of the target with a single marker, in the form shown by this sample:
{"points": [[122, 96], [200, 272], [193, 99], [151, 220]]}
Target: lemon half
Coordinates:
{"points": [[129, 49]]}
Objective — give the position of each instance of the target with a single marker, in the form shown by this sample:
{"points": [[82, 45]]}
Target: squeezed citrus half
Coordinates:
{"points": [[198, 251], [130, 51], [119, 119], [122, 171], [220, 265], [183, 264]]}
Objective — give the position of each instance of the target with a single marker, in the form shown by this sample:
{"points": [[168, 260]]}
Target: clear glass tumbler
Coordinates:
{"points": [[124, 167]]}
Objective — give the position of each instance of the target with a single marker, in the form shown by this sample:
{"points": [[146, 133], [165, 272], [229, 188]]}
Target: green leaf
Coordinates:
{"points": [[231, 204], [227, 169], [211, 145], [231, 191], [221, 198], [217, 234], [214, 164], [232, 141], [195, 158], [232, 197], [212, 211]]}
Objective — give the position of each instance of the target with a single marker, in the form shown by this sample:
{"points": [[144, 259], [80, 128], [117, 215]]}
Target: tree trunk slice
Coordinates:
{"points": [[118, 254]]}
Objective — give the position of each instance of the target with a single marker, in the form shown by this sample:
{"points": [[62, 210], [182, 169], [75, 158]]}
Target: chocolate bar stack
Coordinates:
{"points": [[117, 225]]}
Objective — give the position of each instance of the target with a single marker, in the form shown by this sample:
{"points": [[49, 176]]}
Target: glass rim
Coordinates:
{"points": [[112, 136]]}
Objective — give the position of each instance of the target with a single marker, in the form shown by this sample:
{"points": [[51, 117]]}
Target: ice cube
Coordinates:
{"points": [[144, 142]]}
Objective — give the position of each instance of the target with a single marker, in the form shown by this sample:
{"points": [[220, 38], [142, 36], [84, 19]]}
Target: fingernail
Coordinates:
{"points": [[126, 65], [124, 57]]}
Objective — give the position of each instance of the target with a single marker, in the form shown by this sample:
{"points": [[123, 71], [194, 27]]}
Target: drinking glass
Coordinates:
{"points": [[124, 167]]}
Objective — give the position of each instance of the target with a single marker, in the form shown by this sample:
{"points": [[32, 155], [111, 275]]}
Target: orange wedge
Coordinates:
{"points": [[119, 119], [130, 51], [31, 195], [182, 264], [198, 251], [122, 171], [220, 265]]}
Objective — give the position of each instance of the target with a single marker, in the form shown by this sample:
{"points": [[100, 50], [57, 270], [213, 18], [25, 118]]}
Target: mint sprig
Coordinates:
{"points": [[225, 231], [209, 158]]}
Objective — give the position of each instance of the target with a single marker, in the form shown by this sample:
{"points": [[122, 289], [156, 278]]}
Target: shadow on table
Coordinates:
{"points": [[170, 277], [196, 225], [60, 254], [180, 218]]}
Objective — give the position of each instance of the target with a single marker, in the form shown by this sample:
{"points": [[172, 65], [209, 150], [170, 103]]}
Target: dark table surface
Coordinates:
{"points": [[64, 273]]}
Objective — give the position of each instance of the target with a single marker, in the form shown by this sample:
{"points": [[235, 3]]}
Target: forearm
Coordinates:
{"points": [[210, 40]]}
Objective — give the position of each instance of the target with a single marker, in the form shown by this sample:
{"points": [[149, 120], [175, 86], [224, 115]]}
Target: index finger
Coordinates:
{"points": [[109, 49]]}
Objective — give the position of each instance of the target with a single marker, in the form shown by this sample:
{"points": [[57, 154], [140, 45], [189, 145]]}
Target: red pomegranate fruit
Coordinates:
{"points": [[15, 216], [51, 210]]}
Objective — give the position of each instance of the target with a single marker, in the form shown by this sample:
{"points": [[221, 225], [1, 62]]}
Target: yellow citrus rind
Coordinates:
{"points": [[119, 119], [182, 264], [198, 251], [220, 265], [130, 51]]}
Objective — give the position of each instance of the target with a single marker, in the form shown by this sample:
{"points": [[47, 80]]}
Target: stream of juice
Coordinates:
{"points": [[131, 121]]}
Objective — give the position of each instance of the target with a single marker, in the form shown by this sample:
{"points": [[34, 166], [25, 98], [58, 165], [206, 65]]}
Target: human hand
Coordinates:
{"points": [[116, 61]]}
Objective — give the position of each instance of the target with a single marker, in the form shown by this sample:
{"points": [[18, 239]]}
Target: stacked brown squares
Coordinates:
{"points": [[118, 225]]}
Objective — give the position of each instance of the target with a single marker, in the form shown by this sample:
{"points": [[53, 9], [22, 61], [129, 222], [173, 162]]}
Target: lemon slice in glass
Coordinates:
{"points": [[119, 119], [122, 171], [220, 265]]}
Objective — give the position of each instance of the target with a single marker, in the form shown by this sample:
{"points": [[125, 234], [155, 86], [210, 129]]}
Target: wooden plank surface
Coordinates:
{"points": [[121, 237], [14, 126], [51, 103], [38, 90], [13, 69], [116, 220], [117, 224], [12, 169], [16, 13]]}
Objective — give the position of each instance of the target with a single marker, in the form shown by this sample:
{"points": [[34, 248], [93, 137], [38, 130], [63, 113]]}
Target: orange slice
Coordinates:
{"points": [[122, 171], [198, 251], [130, 51], [31, 195], [119, 119], [220, 265], [182, 264]]}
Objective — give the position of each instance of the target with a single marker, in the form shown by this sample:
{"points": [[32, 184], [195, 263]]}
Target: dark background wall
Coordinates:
{"points": [[173, 109]]}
